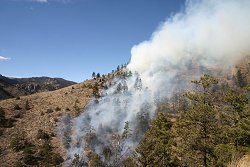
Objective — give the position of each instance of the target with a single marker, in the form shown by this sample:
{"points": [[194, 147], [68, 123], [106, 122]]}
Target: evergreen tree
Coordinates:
{"points": [[27, 106], [96, 90], [98, 75], [237, 127], [2, 117], [138, 82], [198, 127], [141, 124], [93, 75], [119, 88], [95, 161], [241, 81], [155, 150]]}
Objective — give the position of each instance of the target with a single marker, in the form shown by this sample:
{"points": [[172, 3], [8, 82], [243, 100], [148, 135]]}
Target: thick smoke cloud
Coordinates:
{"points": [[210, 32], [207, 34]]}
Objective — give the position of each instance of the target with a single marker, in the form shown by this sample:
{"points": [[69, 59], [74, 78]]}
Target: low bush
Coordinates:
{"points": [[49, 111], [48, 157], [19, 142], [5, 123], [42, 135], [29, 159], [17, 107], [58, 108], [27, 106]]}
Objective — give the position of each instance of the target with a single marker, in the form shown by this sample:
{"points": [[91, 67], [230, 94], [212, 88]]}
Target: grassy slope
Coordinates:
{"points": [[37, 118]]}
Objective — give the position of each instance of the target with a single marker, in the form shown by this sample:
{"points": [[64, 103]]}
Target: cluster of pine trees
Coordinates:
{"points": [[211, 130]]}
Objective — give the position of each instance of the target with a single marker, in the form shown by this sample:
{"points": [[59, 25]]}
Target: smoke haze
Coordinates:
{"points": [[209, 33]]}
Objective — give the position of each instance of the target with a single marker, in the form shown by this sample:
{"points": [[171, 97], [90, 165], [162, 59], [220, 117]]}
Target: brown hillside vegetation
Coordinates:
{"points": [[40, 111], [243, 162]]}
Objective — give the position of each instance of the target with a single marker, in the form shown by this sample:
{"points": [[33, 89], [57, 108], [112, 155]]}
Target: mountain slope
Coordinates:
{"points": [[44, 113]]}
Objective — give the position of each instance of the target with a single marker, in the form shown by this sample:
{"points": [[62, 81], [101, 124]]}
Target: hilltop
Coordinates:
{"points": [[14, 87]]}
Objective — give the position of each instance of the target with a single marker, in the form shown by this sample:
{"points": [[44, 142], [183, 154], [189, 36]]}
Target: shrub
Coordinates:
{"points": [[42, 135], [77, 109], [19, 163], [9, 123], [58, 108], [49, 110], [28, 150], [18, 114], [1, 132], [45, 149], [29, 159], [76, 160], [95, 160], [56, 159], [56, 119], [2, 113], [17, 107], [18, 98], [5, 123], [48, 157], [27, 106], [2, 117], [19, 142], [66, 138]]}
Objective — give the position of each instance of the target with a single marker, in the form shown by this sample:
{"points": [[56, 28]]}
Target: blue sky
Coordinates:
{"points": [[73, 38]]}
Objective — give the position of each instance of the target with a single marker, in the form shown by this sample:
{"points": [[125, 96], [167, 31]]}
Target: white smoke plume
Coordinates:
{"points": [[212, 32], [207, 33]]}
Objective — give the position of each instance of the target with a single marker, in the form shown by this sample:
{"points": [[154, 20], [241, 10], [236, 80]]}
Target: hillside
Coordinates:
{"points": [[41, 113], [14, 87], [45, 112]]}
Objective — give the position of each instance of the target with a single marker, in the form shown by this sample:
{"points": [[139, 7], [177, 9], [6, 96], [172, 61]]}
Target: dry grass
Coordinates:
{"points": [[242, 162], [58, 103]]}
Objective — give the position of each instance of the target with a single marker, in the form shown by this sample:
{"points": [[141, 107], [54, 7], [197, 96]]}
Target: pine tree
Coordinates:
{"points": [[138, 82], [156, 147], [241, 81], [96, 90], [93, 75], [27, 106], [119, 150], [238, 122], [98, 75], [198, 127]]}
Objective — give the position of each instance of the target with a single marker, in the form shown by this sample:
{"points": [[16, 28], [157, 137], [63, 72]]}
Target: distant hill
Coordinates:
{"points": [[14, 87]]}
